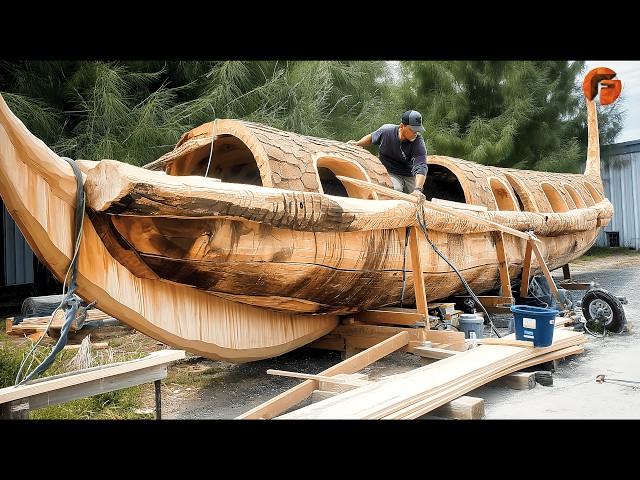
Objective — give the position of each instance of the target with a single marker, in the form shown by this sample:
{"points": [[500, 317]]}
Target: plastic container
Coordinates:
{"points": [[534, 324], [470, 322]]}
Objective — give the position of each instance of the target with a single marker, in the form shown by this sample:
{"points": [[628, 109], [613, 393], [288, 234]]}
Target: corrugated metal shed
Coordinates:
{"points": [[18, 257], [620, 170]]}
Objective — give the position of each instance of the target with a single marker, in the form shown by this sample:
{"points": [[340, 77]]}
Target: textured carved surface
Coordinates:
{"points": [[285, 159]]}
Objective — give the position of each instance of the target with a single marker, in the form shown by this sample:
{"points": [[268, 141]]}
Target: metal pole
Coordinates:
{"points": [[158, 400]]}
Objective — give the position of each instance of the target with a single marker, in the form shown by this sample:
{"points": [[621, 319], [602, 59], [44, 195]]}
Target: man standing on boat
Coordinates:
{"points": [[402, 151]]}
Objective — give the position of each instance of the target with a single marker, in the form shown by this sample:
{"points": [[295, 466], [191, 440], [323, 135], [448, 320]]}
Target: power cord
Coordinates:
{"points": [[420, 216]]}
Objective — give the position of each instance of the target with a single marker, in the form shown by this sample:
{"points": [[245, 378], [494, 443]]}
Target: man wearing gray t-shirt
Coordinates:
{"points": [[402, 151]]}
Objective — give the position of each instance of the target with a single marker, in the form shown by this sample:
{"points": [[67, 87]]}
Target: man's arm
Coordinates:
{"points": [[419, 171], [363, 142]]}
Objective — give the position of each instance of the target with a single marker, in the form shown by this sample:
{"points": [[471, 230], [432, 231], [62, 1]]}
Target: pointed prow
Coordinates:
{"points": [[609, 91]]}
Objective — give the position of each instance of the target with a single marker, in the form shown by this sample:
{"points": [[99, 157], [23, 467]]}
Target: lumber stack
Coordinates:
{"points": [[41, 324], [415, 393]]}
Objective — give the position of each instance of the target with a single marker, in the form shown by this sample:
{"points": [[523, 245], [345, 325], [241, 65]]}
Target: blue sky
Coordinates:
{"points": [[629, 73]]}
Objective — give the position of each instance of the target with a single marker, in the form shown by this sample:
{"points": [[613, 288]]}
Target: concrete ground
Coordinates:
{"points": [[232, 389], [575, 393]]}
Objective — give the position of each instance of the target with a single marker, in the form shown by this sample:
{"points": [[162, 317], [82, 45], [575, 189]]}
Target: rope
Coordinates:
{"points": [[70, 303], [213, 138]]}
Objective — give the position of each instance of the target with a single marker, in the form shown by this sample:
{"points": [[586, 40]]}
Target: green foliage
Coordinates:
{"points": [[136, 111], [522, 114], [119, 404]]}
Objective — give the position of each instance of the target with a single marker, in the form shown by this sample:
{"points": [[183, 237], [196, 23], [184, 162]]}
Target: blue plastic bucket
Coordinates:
{"points": [[534, 324]]}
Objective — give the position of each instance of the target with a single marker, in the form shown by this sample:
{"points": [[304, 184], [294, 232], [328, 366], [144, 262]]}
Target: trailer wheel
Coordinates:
{"points": [[601, 309]]}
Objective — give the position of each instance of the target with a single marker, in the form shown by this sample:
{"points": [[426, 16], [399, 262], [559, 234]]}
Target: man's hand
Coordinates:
{"points": [[354, 143], [419, 195]]}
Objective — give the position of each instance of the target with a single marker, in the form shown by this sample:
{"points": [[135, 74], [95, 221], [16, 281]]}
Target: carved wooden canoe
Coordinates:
{"points": [[262, 258]]}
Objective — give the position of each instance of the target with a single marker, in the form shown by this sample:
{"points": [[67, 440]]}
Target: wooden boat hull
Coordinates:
{"points": [[38, 190], [189, 260]]}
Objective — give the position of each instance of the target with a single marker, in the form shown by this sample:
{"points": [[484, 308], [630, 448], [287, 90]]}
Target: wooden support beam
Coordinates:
{"points": [[516, 381], [321, 378], [90, 381], [295, 395], [15, 410], [570, 285], [503, 265], [102, 385], [418, 279], [434, 206], [390, 317], [547, 273], [526, 271], [566, 273], [462, 408]]}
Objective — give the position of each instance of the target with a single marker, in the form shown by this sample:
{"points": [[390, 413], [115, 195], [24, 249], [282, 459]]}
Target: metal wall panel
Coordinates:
{"points": [[621, 178], [18, 257]]}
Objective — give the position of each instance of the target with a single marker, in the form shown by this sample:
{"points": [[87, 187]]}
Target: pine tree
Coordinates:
{"points": [[136, 111], [522, 114]]}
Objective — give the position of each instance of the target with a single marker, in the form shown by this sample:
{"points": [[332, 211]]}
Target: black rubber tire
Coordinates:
{"points": [[618, 319]]}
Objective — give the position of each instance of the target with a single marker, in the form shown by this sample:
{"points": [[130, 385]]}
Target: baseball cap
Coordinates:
{"points": [[413, 120]]}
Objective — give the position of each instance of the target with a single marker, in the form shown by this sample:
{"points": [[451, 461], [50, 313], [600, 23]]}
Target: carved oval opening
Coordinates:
{"points": [[593, 192], [558, 205], [575, 196], [231, 161], [442, 183], [523, 196], [503, 196], [329, 167]]}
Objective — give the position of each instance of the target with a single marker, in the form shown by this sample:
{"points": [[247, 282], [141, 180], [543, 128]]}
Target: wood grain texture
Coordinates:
{"points": [[38, 189], [231, 267]]}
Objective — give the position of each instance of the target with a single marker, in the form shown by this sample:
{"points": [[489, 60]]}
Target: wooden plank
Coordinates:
{"points": [[547, 274], [462, 408], [410, 198], [503, 266], [389, 317], [516, 381], [526, 271], [506, 341], [459, 205], [418, 278], [421, 408], [8, 325], [354, 380], [94, 346], [561, 321], [475, 381], [295, 395], [319, 395], [57, 382], [320, 378], [97, 386], [383, 398], [431, 352]]}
